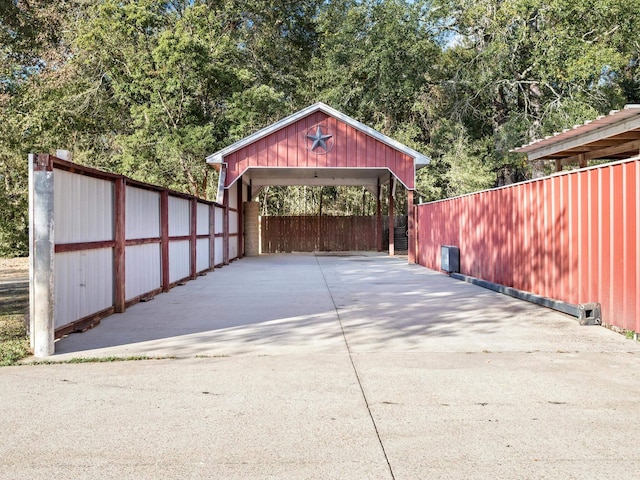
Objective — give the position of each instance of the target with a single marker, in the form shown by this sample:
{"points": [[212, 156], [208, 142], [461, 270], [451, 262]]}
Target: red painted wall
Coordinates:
{"points": [[573, 237], [351, 149]]}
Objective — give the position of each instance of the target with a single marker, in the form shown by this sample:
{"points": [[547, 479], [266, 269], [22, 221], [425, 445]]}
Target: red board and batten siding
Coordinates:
{"points": [[287, 147], [573, 237]]}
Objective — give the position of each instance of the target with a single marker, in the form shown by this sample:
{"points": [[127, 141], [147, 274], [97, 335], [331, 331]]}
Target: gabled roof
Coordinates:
{"points": [[218, 157], [608, 136]]}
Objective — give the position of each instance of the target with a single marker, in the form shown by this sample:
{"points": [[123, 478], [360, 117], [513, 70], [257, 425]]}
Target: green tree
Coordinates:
{"points": [[13, 196], [519, 69], [31, 47], [375, 59], [167, 71], [148, 88]]}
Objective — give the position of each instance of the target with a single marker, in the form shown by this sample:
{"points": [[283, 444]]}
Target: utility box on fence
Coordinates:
{"points": [[450, 259]]}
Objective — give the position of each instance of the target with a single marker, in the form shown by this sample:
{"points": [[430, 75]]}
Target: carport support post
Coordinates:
{"points": [[41, 255], [411, 227], [391, 217], [379, 212], [225, 228], [240, 230]]}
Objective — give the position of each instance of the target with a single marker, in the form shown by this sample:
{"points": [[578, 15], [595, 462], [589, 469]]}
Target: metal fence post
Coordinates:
{"points": [[41, 255]]}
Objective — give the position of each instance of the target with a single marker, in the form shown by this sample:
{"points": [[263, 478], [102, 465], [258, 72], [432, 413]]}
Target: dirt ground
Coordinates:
{"points": [[14, 297], [14, 268]]}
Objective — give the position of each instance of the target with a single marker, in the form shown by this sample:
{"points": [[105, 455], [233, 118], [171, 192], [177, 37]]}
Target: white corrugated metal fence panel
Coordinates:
{"points": [[233, 247], [142, 217], [218, 252], [83, 208], [202, 225], [83, 284], [202, 254], [179, 260], [219, 220], [233, 195], [233, 222], [142, 269], [179, 217]]}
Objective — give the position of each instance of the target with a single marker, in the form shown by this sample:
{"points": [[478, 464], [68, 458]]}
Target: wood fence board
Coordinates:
{"points": [[313, 233]]}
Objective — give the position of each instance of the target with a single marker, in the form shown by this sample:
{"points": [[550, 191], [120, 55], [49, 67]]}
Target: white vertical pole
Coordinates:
{"points": [[31, 254], [41, 255]]}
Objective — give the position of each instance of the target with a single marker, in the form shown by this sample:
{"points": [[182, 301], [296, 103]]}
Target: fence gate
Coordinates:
{"points": [[313, 233]]}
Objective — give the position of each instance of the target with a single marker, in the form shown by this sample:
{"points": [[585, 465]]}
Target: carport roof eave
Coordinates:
{"points": [[218, 157], [303, 174], [560, 144]]}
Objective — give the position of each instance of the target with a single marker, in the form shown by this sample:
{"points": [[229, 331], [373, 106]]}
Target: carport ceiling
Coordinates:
{"points": [[260, 177]]}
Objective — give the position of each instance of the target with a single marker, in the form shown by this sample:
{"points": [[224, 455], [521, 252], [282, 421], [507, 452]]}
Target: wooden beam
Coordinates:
{"points": [[212, 236], [142, 241], [193, 255], [558, 165], [602, 153], [314, 182], [120, 245], [582, 160], [631, 135], [76, 247], [164, 235]]}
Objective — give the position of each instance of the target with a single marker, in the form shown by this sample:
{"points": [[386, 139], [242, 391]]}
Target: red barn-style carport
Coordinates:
{"points": [[317, 146]]}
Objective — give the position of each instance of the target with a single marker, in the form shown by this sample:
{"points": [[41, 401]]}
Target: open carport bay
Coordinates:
{"points": [[329, 366]]}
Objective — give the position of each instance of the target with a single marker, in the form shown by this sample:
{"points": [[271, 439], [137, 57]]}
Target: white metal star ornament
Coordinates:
{"points": [[320, 140]]}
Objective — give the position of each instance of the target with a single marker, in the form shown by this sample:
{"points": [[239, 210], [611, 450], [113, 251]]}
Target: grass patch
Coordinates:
{"points": [[14, 302], [14, 343], [102, 360], [14, 299]]}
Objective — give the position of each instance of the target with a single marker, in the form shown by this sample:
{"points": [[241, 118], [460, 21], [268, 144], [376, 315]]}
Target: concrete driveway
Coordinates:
{"points": [[332, 366]]}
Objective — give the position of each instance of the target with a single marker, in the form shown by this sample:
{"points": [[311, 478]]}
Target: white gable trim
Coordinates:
{"points": [[420, 160]]}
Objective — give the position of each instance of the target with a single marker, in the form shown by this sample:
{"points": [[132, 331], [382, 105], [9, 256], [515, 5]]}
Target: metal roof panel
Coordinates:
{"points": [[592, 130]]}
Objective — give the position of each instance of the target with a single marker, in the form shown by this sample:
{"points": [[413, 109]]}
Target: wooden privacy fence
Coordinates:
{"points": [[318, 233], [573, 237], [101, 242]]}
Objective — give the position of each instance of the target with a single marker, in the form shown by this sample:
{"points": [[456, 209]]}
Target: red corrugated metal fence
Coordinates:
{"points": [[573, 237]]}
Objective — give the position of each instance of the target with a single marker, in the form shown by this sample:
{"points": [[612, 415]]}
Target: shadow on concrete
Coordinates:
{"points": [[302, 302]]}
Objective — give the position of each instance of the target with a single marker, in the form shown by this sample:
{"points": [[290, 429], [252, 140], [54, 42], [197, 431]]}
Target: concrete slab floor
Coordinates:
{"points": [[329, 366]]}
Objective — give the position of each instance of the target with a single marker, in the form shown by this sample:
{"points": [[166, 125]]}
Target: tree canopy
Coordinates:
{"points": [[149, 88]]}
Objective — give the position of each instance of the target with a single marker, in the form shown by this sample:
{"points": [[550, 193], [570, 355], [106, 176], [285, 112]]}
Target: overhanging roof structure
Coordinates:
{"points": [[614, 136], [318, 146]]}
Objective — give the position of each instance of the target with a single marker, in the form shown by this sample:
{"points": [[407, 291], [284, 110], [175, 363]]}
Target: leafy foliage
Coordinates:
{"points": [[148, 88]]}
